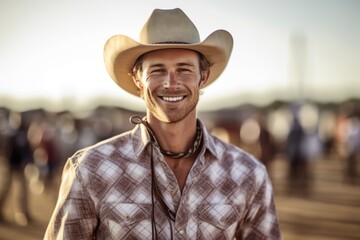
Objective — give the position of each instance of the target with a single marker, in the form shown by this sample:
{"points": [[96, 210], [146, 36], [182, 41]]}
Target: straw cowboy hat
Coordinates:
{"points": [[163, 30]]}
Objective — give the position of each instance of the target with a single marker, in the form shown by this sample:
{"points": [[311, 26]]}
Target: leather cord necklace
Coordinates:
{"points": [[155, 192], [190, 151]]}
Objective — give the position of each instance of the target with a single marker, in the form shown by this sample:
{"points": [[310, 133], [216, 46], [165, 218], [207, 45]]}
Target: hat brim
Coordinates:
{"points": [[121, 52]]}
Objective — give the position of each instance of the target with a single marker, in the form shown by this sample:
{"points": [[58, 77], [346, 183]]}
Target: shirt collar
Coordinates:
{"points": [[141, 138], [208, 142]]}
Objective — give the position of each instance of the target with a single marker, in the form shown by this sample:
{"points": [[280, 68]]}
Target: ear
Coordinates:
{"points": [[139, 86], [204, 77], [137, 82]]}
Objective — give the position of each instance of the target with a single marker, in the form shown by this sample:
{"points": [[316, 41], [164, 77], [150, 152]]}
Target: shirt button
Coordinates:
{"points": [[181, 232], [173, 192]]}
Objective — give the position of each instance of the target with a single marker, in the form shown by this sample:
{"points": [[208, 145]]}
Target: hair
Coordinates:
{"points": [[203, 62]]}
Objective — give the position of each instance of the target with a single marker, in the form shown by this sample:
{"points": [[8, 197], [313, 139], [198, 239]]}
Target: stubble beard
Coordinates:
{"points": [[170, 114]]}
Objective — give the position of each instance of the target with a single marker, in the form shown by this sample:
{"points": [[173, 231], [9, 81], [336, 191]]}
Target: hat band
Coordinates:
{"points": [[171, 42]]}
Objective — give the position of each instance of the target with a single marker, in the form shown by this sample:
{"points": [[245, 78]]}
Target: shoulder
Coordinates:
{"points": [[237, 162], [225, 151], [108, 154], [97, 167]]}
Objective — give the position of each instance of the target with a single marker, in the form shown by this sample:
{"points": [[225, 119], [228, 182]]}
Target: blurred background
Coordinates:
{"points": [[290, 96]]}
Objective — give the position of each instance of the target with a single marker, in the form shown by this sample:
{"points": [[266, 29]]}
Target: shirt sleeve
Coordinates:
{"points": [[74, 216], [261, 221]]}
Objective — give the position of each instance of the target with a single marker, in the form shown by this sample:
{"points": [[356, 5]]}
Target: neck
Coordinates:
{"points": [[175, 137]]}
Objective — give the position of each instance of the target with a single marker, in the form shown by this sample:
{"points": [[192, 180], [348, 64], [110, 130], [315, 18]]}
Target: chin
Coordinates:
{"points": [[171, 118]]}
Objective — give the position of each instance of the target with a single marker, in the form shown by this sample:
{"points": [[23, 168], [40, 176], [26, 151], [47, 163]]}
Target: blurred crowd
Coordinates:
{"points": [[35, 144], [301, 133]]}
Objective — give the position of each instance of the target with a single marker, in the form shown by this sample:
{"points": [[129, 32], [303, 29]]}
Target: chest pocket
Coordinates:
{"points": [[123, 220], [216, 221]]}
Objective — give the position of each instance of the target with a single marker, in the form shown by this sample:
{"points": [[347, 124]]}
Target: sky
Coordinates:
{"points": [[51, 52]]}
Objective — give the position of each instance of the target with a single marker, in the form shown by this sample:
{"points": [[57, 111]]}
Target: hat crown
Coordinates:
{"points": [[169, 26]]}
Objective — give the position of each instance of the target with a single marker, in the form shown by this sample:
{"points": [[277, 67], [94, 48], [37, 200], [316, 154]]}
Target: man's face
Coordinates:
{"points": [[170, 83]]}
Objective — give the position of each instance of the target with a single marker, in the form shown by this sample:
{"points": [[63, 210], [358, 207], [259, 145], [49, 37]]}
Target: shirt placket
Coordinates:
{"points": [[169, 189], [183, 210]]}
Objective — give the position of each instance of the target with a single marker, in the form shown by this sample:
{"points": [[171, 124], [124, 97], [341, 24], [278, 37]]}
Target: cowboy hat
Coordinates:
{"points": [[165, 29]]}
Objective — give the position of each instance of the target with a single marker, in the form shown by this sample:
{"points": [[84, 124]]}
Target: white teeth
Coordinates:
{"points": [[172, 99]]}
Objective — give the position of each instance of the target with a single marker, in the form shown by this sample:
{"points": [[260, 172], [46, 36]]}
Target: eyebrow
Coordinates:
{"points": [[156, 65], [181, 64], [185, 64]]}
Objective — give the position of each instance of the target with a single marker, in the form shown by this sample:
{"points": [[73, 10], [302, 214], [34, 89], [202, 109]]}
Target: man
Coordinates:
{"points": [[168, 178]]}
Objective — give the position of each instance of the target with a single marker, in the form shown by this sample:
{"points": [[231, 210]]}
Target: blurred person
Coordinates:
{"points": [[168, 178], [67, 135], [86, 134], [345, 111], [46, 152], [5, 131], [294, 150], [353, 147], [312, 144], [347, 139], [18, 154], [266, 141], [327, 127]]}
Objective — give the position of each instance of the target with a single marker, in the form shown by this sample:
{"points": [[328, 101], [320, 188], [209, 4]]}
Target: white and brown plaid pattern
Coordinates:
{"points": [[106, 194]]}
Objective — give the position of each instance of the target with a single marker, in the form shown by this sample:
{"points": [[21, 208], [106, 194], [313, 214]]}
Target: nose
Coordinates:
{"points": [[170, 81]]}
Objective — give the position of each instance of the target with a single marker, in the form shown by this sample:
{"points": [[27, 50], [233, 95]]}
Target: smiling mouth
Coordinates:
{"points": [[172, 99]]}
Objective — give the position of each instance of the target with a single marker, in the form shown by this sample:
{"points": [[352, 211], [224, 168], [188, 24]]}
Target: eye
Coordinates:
{"points": [[184, 70], [158, 70]]}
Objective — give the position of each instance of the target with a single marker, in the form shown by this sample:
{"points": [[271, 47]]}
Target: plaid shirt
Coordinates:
{"points": [[106, 194]]}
